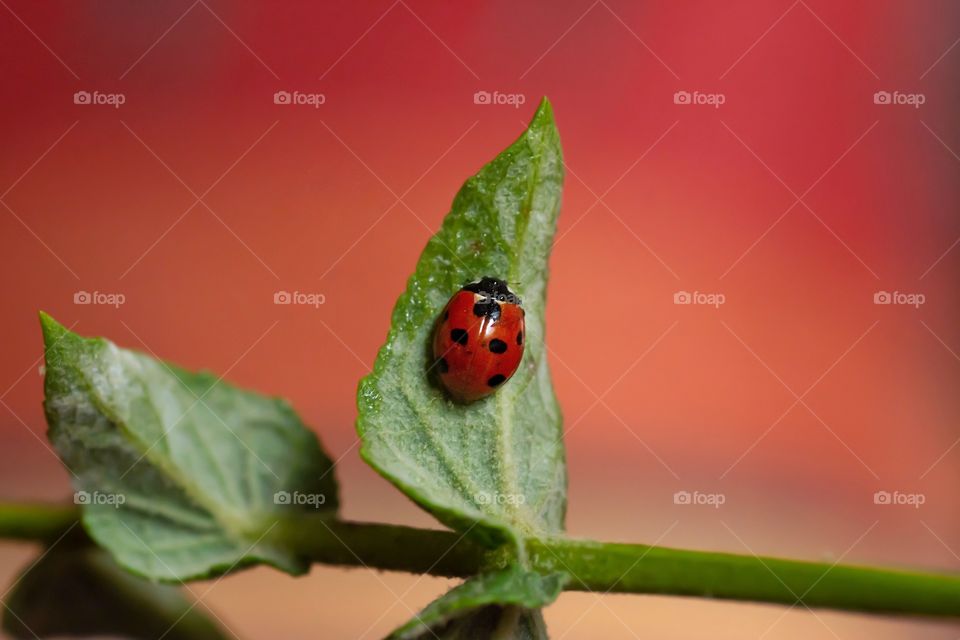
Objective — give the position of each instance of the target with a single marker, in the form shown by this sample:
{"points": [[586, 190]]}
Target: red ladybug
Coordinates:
{"points": [[478, 344]]}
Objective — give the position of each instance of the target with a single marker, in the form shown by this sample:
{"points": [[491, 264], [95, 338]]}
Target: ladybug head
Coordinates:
{"points": [[493, 288]]}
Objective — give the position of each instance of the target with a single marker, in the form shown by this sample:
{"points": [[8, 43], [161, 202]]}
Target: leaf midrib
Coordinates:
{"points": [[510, 482]]}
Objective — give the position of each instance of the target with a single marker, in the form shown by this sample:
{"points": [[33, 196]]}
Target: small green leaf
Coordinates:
{"points": [[180, 475], [502, 604], [80, 591], [494, 622], [495, 467]]}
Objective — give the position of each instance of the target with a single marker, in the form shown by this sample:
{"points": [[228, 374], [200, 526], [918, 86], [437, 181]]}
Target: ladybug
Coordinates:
{"points": [[478, 342]]}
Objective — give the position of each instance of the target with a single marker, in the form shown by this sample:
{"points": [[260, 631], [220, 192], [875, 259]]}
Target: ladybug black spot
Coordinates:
{"points": [[520, 337], [442, 365], [498, 346], [496, 380], [459, 336]]}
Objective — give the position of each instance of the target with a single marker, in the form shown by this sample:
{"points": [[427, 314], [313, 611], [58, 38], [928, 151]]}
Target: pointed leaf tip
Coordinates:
{"points": [[52, 330], [544, 109]]}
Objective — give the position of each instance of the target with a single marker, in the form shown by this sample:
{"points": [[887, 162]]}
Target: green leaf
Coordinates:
{"points": [[502, 604], [80, 591], [493, 621], [495, 467], [180, 475]]}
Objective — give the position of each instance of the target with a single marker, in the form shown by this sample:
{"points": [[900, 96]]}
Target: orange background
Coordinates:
{"points": [[660, 197]]}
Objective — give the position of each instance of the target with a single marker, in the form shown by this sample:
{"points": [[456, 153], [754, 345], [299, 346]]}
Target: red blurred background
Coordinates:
{"points": [[798, 199]]}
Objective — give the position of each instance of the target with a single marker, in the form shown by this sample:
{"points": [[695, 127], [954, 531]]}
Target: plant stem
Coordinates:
{"points": [[381, 546], [42, 522], [634, 568], [595, 566]]}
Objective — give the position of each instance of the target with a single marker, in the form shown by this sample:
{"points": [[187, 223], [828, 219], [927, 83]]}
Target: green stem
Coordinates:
{"points": [[35, 521], [595, 566], [381, 546], [635, 568]]}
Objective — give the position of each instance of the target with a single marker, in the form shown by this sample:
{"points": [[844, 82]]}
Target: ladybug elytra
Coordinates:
{"points": [[478, 342]]}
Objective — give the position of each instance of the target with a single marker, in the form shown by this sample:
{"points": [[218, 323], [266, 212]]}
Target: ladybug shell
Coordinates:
{"points": [[478, 344]]}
